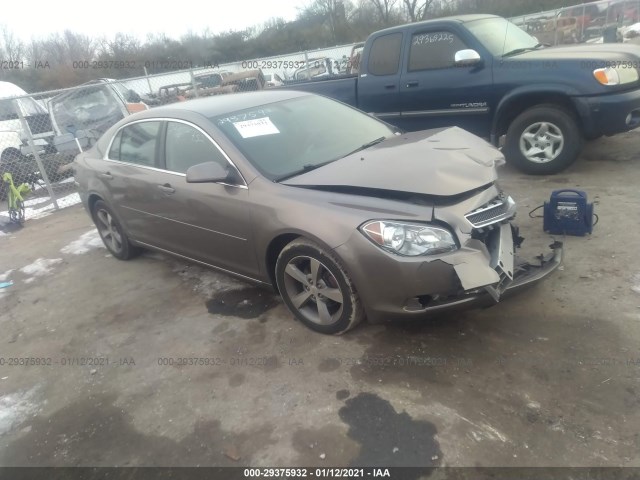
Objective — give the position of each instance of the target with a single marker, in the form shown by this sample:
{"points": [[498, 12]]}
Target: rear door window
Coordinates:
{"points": [[384, 58], [137, 144]]}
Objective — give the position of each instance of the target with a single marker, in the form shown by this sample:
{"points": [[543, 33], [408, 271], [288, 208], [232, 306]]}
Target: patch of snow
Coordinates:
{"points": [[40, 267], [41, 207], [86, 242], [484, 431], [15, 408], [533, 405], [5, 276]]}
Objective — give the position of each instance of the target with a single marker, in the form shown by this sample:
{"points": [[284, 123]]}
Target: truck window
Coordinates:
{"points": [[432, 50], [384, 58]]}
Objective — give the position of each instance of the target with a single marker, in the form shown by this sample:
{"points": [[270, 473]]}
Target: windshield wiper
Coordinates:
{"points": [[308, 168], [304, 169], [520, 50], [366, 145]]}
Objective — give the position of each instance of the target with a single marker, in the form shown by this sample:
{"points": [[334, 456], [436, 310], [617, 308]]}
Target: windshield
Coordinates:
{"points": [[209, 81], [93, 108], [500, 36], [122, 90], [291, 136]]}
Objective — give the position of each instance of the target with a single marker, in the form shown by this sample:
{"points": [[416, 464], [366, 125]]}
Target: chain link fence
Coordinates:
{"points": [[246, 75], [598, 22], [40, 134]]}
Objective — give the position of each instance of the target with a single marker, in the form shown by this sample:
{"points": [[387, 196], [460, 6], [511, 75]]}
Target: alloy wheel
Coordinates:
{"points": [[313, 290], [541, 142], [109, 230]]}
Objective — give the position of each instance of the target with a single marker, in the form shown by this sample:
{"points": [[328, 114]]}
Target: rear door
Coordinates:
{"points": [[378, 88], [434, 92], [128, 177]]}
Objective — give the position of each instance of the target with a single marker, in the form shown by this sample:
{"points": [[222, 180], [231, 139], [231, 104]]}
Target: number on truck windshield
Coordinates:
{"points": [[432, 50]]}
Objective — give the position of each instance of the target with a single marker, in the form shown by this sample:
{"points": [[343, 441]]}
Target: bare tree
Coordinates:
{"points": [[385, 9], [333, 12], [417, 9], [11, 47]]}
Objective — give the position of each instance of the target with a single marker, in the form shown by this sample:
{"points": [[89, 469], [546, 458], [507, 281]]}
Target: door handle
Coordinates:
{"points": [[413, 83], [390, 86], [106, 176], [167, 189]]}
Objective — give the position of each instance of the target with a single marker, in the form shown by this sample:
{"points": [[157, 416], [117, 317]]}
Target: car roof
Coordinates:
{"points": [[222, 104], [454, 18]]}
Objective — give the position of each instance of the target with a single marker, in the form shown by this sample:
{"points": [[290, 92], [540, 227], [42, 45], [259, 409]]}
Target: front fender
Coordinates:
{"points": [[537, 90]]}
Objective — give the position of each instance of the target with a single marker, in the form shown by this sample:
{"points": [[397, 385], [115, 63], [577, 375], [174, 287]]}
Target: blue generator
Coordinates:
{"points": [[568, 213]]}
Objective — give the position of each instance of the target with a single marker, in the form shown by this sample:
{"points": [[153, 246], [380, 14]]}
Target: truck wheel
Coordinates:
{"points": [[542, 140]]}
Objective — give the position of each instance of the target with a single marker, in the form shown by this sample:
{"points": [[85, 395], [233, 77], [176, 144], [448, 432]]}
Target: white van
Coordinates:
{"points": [[13, 138]]}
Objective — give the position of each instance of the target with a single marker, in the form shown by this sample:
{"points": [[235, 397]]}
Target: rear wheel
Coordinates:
{"points": [[316, 288], [544, 139], [11, 155], [112, 233]]}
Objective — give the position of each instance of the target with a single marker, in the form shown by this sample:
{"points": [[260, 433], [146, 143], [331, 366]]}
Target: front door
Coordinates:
{"points": [[209, 222], [434, 92]]}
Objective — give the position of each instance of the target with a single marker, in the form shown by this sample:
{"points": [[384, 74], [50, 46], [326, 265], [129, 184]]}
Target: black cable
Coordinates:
{"points": [[537, 208], [597, 219]]}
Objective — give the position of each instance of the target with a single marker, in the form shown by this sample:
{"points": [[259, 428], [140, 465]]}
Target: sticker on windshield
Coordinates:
{"points": [[256, 128]]}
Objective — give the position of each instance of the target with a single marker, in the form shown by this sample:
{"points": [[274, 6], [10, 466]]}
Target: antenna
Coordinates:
{"points": [[505, 35]]}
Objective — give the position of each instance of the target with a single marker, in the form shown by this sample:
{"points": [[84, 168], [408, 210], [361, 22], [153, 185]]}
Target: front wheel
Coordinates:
{"points": [[543, 140], [317, 289]]}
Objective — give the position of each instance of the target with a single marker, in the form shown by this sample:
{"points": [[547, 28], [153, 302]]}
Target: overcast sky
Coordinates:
{"points": [[39, 18]]}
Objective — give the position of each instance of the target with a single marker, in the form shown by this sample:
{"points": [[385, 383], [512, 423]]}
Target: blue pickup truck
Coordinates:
{"points": [[485, 74]]}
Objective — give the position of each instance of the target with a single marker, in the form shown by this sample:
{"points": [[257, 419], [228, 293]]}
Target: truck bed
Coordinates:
{"points": [[343, 88]]}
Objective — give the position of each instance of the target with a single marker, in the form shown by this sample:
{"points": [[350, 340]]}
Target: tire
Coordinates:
{"points": [[11, 155], [112, 233], [307, 298], [555, 129], [591, 138]]}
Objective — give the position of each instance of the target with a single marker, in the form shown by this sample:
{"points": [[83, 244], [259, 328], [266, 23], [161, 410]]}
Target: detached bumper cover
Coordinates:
{"points": [[393, 287], [525, 275]]}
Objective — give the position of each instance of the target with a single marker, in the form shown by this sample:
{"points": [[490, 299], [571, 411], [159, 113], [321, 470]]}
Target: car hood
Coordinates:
{"points": [[442, 162], [604, 51]]}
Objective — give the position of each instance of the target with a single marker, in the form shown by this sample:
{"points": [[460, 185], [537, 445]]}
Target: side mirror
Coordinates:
{"points": [[208, 172], [467, 57]]}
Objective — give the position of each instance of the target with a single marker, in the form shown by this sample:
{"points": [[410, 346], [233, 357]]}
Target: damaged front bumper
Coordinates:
{"points": [[479, 274], [526, 274]]}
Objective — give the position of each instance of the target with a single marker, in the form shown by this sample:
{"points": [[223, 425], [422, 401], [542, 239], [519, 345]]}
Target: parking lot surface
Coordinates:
{"points": [[158, 362]]}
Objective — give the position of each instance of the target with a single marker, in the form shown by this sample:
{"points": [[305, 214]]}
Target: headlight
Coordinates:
{"points": [[409, 239], [615, 76]]}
